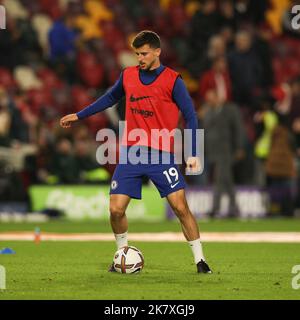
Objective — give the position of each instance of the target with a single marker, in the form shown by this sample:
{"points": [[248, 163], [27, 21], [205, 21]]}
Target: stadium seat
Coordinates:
{"points": [[90, 70], [15, 9], [292, 66], [26, 78], [97, 122], [97, 10], [61, 100], [80, 98], [89, 28], [178, 18], [49, 78], [113, 75], [52, 8], [39, 98], [42, 24], [191, 8], [126, 59], [112, 35]]}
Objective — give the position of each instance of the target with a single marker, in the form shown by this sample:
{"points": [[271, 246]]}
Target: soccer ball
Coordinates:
{"points": [[128, 259]]}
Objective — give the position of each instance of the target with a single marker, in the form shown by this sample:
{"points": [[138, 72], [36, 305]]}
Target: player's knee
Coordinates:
{"points": [[116, 211], [180, 210]]}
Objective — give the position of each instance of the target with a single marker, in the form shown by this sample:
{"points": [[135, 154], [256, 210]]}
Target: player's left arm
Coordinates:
{"points": [[185, 104]]}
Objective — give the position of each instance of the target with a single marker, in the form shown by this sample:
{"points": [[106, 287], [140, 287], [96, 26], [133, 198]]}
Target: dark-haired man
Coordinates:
{"points": [[160, 92]]}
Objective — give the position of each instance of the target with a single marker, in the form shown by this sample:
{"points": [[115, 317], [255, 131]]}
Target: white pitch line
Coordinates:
{"points": [[159, 237]]}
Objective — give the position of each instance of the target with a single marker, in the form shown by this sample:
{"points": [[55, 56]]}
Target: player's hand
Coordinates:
{"points": [[67, 120], [193, 165]]}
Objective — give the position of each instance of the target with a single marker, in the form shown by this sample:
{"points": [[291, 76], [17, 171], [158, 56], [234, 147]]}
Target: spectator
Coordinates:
{"points": [[29, 121], [223, 147], [204, 24], [10, 56], [27, 45], [217, 78], [83, 156], [216, 49], [251, 11], [63, 164], [227, 34], [296, 130], [88, 168], [62, 41], [227, 12], [262, 45], [281, 170], [37, 166], [288, 106], [245, 70], [294, 110], [265, 120], [5, 119]]}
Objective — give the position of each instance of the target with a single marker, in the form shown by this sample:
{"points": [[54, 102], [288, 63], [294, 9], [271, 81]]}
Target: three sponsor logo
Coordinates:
{"points": [[144, 113]]}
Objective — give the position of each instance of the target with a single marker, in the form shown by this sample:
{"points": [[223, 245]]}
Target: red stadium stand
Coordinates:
{"points": [[52, 8], [91, 72], [39, 98], [80, 98], [97, 123], [49, 78]]}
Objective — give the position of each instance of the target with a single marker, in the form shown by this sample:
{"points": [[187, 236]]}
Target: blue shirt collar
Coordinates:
{"points": [[156, 71]]}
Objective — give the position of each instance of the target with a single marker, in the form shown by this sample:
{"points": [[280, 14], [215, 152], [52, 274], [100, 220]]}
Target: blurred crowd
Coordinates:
{"points": [[238, 58]]}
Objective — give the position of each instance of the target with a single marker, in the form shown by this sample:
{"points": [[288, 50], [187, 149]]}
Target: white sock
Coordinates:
{"points": [[196, 247], [121, 240]]}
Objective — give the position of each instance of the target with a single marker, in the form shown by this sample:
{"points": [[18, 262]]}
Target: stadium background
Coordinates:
{"points": [[58, 56]]}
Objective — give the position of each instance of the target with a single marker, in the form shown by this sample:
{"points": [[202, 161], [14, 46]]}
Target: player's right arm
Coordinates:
{"points": [[67, 120], [110, 98]]}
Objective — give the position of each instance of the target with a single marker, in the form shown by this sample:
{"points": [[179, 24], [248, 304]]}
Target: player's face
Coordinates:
{"points": [[148, 57]]}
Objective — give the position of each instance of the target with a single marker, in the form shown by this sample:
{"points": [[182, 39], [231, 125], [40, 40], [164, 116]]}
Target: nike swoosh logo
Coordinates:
{"points": [[174, 185], [133, 99]]}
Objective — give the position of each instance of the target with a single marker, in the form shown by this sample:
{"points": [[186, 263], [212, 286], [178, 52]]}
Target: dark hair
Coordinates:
{"points": [[146, 37]]}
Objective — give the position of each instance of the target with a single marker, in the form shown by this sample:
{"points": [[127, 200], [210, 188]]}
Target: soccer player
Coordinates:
{"points": [[154, 95]]}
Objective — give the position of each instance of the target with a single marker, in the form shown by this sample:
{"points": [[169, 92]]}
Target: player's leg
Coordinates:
{"points": [[178, 203], [170, 183], [118, 220], [126, 184]]}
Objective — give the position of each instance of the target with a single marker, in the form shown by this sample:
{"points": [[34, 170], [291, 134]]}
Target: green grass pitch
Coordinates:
{"points": [[216, 225], [78, 270]]}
